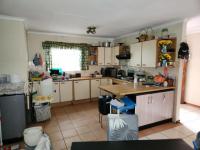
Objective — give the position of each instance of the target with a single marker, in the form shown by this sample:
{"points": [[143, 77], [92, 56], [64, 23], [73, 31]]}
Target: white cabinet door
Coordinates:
{"points": [[108, 56], [168, 98], [115, 52], [156, 103], [149, 53], [101, 55], [95, 91], [136, 55], [143, 109], [56, 92], [105, 82], [66, 91], [81, 89]]}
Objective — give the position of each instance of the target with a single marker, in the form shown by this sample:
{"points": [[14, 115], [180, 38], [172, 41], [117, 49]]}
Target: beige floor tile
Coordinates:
{"points": [[184, 130], [173, 134], [69, 141], [51, 129], [88, 136], [83, 129], [69, 133], [55, 136], [190, 139], [59, 145], [66, 126], [156, 136]]}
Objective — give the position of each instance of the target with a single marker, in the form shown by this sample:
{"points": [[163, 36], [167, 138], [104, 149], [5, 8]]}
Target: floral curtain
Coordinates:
{"points": [[47, 45]]}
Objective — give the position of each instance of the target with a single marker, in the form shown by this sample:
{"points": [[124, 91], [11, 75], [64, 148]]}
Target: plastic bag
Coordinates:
{"points": [[44, 143]]}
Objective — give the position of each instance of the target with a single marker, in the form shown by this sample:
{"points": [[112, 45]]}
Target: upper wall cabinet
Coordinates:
{"points": [[149, 53], [115, 52], [104, 56], [143, 54], [136, 54]]}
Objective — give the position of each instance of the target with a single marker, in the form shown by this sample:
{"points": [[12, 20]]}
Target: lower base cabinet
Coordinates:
{"points": [[95, 91], [81, 89], [155, 107], [62, 91]]}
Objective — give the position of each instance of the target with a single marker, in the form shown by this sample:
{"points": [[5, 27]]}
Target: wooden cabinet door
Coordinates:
{"points": [[108, 56], [56, 92], [136, 55], [101, 55], [115, 52], [66, 93], [81, 89], [149, 53], [95, 91]]}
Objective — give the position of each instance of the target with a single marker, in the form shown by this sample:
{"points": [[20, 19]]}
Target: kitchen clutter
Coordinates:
{"points": [[36, 139]]}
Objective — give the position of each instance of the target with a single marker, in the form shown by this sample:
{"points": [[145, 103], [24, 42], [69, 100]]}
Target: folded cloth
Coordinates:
{"points": [[116, 103]]}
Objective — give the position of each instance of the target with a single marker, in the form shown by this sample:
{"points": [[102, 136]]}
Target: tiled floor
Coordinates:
{"points": [[80, 123]]}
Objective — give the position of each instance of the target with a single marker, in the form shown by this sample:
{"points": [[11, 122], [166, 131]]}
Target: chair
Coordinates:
{"points": [[128, 105], [104, 106], [122, 127]]}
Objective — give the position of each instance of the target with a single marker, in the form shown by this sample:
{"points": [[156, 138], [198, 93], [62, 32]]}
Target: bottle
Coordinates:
{"points": [[135, 79]]}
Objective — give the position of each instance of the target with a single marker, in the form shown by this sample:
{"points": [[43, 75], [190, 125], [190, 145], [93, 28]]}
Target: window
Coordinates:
{"points": [[66, 59]]}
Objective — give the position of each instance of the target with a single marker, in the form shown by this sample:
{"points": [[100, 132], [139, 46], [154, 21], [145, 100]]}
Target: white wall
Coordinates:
{"points": [[192, 93], [35, 40], [13, 48]]}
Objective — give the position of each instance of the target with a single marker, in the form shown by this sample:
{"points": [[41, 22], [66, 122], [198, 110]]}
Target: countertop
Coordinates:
{"points": [[127, 88]]}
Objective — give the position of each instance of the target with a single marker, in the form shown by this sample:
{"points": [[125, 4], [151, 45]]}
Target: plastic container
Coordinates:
{"points": [[42, 112], [46, 87]]}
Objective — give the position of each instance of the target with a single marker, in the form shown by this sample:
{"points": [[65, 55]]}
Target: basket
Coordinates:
{"points": [[42, 112]]}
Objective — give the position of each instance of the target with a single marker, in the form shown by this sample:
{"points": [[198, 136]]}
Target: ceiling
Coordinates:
{"points": [[113, 18]]}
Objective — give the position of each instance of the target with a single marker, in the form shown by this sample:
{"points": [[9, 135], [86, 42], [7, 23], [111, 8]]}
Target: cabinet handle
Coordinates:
{"points": [[164, 97], [151, 99]]}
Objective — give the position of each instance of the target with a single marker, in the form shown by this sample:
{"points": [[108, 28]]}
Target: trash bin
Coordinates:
{"points": [[42, 112], [104, 105]]}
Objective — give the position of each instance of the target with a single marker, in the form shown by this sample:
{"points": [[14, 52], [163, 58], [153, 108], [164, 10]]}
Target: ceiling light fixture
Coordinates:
{"points": [[91, 29]]}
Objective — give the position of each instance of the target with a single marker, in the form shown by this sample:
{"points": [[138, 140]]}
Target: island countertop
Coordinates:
{"points": [[130, 88]]}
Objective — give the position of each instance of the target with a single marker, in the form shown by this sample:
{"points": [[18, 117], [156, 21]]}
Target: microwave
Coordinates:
{"points": [[109, 72]]}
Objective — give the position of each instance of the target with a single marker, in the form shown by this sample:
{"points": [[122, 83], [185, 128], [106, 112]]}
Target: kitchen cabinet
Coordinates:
{"points": [[104, 56], [56, 92], [95, 91], [62, 91], [115, 52], [143, 54], [149, 53], [154, 107], [105, 82], [101, 53], [81, 89], [136, 54], [66, 93], [108, 56]]}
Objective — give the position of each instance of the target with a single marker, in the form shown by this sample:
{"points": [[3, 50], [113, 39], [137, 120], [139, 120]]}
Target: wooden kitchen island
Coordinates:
{"points": [[154, 105]]}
